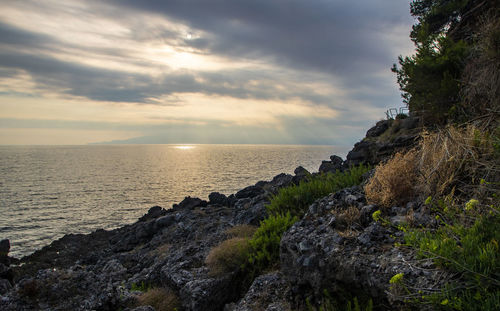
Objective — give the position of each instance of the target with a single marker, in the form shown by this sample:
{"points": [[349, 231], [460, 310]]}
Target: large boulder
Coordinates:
{"points": [[331, 166], [190, 203], [153, 212], [217, 198], [379, 128]]}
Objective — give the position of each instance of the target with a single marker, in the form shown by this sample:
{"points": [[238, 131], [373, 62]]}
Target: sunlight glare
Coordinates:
{"points": [[183, 147]]}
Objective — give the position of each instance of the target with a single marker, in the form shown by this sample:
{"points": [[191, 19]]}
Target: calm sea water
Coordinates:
{"points": [[49, 191]]}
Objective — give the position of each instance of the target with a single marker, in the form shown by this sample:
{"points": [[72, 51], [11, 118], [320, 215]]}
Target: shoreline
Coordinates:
{"points": [[168, 248]]}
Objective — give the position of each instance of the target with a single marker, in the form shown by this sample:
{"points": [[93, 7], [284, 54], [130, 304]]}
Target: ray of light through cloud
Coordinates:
{"points": [[197, 71]]}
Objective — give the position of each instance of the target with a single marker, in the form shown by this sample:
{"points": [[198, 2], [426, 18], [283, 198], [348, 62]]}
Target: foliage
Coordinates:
{"points": [[453, 76], [142, 287], [430, 79], [396, 279], [297, 198], [471, 252], [161, 299], [265, 243], [228, 256]]}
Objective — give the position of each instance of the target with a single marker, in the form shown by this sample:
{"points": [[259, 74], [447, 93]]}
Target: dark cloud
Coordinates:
{"points": [[10, 35], [337, 37]]}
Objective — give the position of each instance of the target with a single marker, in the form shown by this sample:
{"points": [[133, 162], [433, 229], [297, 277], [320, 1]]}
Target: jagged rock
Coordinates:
{"points": [[249, 192], [153, 212], [190, 203], [209, 294], [300, 174], [372, 150], [335, 163], [268, 292], [165, 221], [253, 215], [317, 254], [217, 198], [379, 128]]}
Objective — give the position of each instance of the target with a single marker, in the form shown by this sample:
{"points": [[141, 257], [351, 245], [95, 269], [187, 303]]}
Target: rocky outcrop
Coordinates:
{"points": [[338, 247], [332, 166], [383, 140]]}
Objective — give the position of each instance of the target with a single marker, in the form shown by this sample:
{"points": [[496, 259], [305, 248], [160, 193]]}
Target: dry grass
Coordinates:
{"points": [[393, 182], [241, 231], [228, 256], [348, 218], [447, 156], [161, 299], [452, 160]]}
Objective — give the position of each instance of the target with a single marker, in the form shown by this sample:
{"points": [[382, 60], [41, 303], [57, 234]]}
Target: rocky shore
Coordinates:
{"points": [[166, 248]]}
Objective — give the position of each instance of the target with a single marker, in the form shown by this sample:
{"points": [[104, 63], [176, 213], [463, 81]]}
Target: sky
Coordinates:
{"points": [[198, 71]]}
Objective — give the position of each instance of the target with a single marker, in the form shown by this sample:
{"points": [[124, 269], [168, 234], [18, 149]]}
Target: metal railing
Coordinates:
{"points": [[391, 113]]}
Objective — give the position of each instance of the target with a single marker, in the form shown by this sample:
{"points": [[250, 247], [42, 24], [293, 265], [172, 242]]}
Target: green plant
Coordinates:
{"points": [[470, 252], [142, 287], [266, 240], [297, 198]]}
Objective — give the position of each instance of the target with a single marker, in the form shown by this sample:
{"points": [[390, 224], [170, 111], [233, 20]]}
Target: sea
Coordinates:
{"points": [[49, 191]]}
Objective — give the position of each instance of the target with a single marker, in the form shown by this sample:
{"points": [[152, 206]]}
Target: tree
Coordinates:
{"points": [[431, 79]]}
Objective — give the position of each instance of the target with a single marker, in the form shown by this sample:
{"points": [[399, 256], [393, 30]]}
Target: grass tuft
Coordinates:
{"points": [[161, 299], [231, 255]]}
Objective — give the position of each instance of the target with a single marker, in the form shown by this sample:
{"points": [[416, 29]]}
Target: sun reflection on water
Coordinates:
{"points": [[184, 147]]}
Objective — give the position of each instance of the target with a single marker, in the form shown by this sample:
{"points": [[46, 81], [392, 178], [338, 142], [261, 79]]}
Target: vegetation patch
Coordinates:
{"points": [[472, 253], [297, 198], [229, 256], [450, 160], [393, 182], [265, 244]]}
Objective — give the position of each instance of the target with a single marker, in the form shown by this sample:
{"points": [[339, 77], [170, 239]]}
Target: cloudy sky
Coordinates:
{"points": [[198, 71]]}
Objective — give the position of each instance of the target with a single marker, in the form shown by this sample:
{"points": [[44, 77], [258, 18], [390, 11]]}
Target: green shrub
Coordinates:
{"points": [[470, 252], [297, 198], [265, 244]]}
